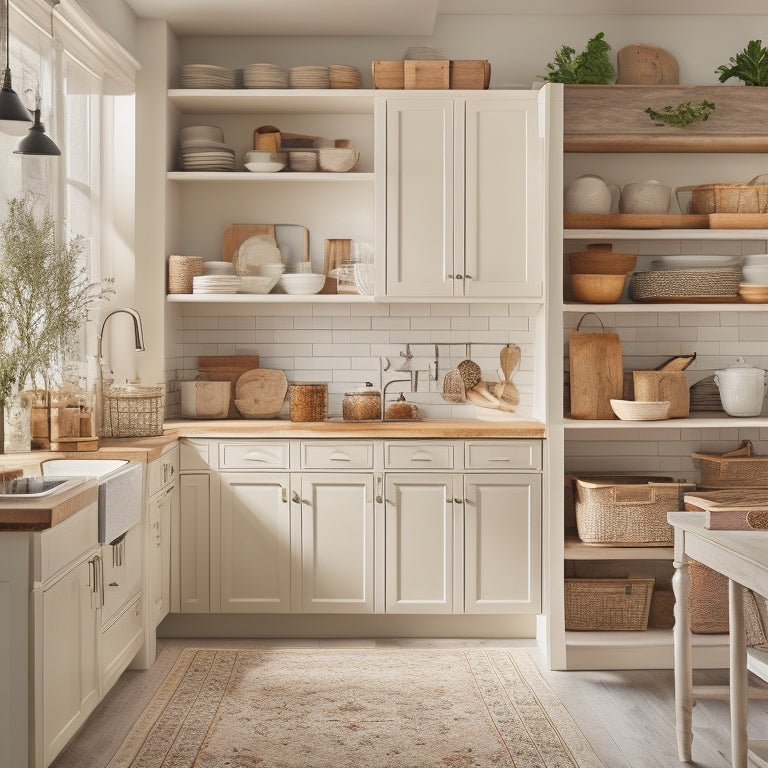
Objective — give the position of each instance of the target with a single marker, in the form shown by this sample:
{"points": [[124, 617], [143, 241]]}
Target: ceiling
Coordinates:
{"points": [[391, 17]]}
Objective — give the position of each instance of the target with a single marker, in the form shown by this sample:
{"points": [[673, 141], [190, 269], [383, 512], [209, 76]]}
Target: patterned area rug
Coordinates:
{"points": [[372, 708]]}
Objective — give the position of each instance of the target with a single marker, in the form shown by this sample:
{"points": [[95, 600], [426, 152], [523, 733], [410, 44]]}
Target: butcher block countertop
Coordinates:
{"points": [[428, 428], [37, 514]]}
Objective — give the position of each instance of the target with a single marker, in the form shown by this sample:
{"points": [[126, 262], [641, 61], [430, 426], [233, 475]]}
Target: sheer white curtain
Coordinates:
{"points": [[86, 84]]}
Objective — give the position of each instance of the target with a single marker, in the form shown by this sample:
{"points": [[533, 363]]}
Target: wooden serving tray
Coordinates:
{"points": [[635, 221], [738, 220]]}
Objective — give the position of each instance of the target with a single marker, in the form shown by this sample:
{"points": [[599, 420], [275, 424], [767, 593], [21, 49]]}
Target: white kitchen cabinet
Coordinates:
{"points": [[190, 576], [420, 535], [465, 208], [162, 507], [69, 689], [337, 527], [255, 552], [502, 543]]}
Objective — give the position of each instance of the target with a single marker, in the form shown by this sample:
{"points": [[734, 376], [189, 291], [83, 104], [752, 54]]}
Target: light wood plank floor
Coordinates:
{"points": [[628, 716]]}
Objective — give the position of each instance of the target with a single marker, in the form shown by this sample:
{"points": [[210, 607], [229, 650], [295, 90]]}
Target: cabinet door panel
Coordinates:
{"points": [[193, 565], [255, 542], [70, 673], [502, 540], [420, 189], [419, 544], [504, 202], [337, 543]]}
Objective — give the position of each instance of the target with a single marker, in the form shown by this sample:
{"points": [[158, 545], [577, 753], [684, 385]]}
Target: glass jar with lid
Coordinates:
{"points": [[362, 404]]}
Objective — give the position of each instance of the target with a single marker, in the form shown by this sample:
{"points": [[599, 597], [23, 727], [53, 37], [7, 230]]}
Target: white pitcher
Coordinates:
{"points": [[590, 194]]}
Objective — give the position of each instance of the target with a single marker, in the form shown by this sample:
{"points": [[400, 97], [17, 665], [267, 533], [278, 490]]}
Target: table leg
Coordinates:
{"points": [[738, 672], [681, 585]]}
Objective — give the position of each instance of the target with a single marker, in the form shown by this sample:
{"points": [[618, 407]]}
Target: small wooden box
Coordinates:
{"points": [[426, 75], [388, 74], [470, 74]]}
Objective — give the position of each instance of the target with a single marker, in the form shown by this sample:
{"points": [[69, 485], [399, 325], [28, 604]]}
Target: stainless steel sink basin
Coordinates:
{"points": [[120, 490], [33, 487]]}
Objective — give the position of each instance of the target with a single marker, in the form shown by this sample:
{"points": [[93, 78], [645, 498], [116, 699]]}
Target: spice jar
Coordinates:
{"points": [[363, 404]]}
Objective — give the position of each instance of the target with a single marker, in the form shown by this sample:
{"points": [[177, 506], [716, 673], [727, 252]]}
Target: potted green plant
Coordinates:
{"points": [[591, 66], [750, 65], [45, 294]]}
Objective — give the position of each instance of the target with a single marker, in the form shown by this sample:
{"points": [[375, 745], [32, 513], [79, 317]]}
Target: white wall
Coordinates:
{"points": [[517, 46], [115, 17]]}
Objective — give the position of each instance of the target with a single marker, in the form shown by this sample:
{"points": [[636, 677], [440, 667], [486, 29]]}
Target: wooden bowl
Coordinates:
{"points": [[601, 263], [597, 289]]}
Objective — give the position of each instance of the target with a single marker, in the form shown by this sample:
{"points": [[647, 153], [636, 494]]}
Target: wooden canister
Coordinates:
{"points": [[308, 401], [656, 386]]}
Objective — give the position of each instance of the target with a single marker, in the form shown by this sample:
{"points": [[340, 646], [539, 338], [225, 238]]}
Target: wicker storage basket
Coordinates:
{"points": [[661, 284], [308, 402], [181, 271], [134, 411], [734, 469], [627, 510], [662, 612], [708, 600], [729, 197], [607, 604]]}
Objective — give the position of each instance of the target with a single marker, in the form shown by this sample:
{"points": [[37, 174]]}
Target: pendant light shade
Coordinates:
{"points": [[36, 142], [14, 116]]}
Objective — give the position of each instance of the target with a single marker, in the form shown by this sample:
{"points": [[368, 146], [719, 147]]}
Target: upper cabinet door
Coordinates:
{"points": [[503, 197], [420, 197]]}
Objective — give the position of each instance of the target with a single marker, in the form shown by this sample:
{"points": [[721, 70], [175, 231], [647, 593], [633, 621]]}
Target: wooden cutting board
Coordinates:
{"points": [[291, 239], [227, 368], [264, 388], [236, 234], [596, 373]]}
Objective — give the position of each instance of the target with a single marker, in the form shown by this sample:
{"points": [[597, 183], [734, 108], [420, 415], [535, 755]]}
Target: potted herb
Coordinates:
{"points": [[45, 295], [750, 65], [591, 66]]}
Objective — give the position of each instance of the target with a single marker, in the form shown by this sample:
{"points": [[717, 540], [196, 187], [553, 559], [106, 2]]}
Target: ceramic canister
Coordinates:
{"points": [[742, 388]]}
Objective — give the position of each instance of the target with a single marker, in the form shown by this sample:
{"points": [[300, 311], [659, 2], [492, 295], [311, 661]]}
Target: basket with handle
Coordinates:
{"points": [[733, 469], [133, 411], [627, 510]]}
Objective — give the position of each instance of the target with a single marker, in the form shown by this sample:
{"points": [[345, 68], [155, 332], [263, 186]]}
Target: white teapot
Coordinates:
{"points": [[645, 197], [590, 194], [742, 388]]}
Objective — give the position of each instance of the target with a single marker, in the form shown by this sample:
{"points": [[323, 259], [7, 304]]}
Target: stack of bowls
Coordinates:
{"points": [[597, 275], [264, 162], [202, 148], [754, 279]]}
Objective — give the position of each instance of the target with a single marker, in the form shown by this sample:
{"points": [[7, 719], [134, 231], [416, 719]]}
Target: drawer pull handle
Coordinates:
{"points": [[284, 495], [340, 456], [458, 501], [421, 456], [260, 456], [500, 458]]}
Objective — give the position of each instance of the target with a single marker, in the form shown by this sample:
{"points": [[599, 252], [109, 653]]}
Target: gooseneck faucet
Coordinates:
{"points": [[137, 329]]}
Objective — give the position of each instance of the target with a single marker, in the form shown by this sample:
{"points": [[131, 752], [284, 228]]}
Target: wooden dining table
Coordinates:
{"points": [[742, 556]]}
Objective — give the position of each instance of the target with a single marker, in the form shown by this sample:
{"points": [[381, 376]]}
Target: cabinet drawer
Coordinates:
{"points": [[121, 641], [337, 455], [162, 471], [251, 455], [418, 456], [517, 454], [194, 454]]}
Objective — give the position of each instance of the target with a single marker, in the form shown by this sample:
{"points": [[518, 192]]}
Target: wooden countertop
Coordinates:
{"points": [[37, 514], [429, 428]]}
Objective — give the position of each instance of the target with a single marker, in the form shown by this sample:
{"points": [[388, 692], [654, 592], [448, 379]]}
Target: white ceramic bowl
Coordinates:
{"points": [[755, 273], [264, 162], [218, 268], [270, 270], [201, 132], [755, 259], [257, 284], [302, 283], [337, 159]]}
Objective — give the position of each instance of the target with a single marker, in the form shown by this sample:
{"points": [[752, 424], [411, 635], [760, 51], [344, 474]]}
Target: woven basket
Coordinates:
{"points": [[662, 612], [729, 197], [659, 284], [607, 604], [708, 600], [181, 270], [727, 470], [133, 411], [627, 510], [308, 402]]}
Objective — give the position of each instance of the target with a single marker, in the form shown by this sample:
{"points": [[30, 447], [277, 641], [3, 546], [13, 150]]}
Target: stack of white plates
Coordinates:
{"points": [[695, 261], [309, 77], [215, 284], [344, 76], [264, 76], [206, 76]]}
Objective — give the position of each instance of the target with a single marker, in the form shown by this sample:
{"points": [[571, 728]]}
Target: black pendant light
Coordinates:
{"points": [[36, 142], [14, 116]]}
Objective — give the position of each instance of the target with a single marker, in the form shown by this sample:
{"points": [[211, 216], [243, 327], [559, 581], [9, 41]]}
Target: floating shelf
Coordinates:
{"points": [[612, 118], [272, 178], [714, 420], [665, 234], [575, 549], [266, 298], [575, 307]]}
